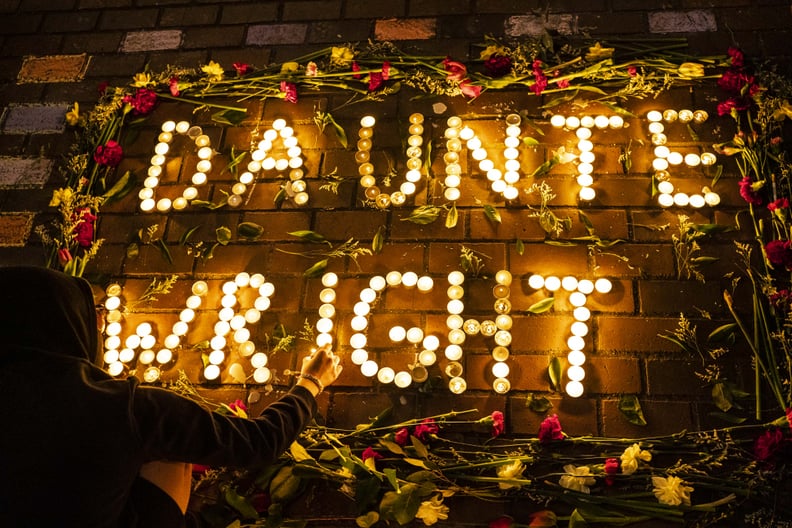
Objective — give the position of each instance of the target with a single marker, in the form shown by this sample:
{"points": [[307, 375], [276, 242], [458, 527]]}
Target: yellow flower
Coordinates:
{"points": [[213, 70], [61, 196], [289, 67], [341, 55], [432, 511], [671, 491], [597, 52], [691, 69], [577, 478], [782, 112], [491, 50], [73, 115], [631, 457], [141, 80], [513, 470]]}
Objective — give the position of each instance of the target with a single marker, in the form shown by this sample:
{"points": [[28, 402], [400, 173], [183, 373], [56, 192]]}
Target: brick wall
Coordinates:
{"points": [[51, 56]]}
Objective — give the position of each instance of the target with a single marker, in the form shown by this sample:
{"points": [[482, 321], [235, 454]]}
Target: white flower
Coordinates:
{"points": [[513, 470], [432, 511], [577, 478], [630, 458], [671, 491]]}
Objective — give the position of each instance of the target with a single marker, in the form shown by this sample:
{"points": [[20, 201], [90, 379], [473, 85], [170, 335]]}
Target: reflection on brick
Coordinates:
{"points": [[53, 68]]}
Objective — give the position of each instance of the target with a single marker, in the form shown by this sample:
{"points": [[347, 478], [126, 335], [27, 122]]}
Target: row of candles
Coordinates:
{"points": [[260, 160], [457, 135], [231, 332]]}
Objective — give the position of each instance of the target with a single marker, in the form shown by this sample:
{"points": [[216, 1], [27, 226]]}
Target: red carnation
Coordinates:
{"points": [[504, 521], [425, 428], [173, 86], [289, 90], [550, 429], [469, 90], [779, 253], [142, 102], [241, 68], [768, 444], [356, 68], [369, 452], [498, 65], [748, 193], [540, 82], [84, 230], [64, 256], [402, 436], [375, 81], [498, 424], [109, 154], [611, 468]]}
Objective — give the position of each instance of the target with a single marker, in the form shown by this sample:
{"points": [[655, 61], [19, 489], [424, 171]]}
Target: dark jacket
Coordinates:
{"points": [[74, 438]]}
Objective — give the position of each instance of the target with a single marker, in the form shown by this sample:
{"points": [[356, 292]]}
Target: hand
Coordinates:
{"points": [[323, 365]]}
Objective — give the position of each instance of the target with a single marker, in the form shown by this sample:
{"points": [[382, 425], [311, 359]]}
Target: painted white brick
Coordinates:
{"points": [[33, 119], [694, 21], [536, 25], [265, 35], [167, 39], [24, 173]]}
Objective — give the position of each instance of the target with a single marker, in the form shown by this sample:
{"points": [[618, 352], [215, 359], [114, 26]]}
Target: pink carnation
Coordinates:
{"points": [[109, 154], [550, 429]]}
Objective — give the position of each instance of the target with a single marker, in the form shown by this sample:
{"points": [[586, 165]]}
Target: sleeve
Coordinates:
{"points": [[171, 427]]}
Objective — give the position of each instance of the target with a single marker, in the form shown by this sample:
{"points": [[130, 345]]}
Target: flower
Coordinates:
{"points": [[214, 71], [142, 102], [84, 230], [64, 256], [375, 81], [513, 470], [60, 196], [597, 52], [469, 90], [691, 70], [242, 68], [748, 190], [788, 413], [425, 428], [498, 423], [490, 50], [455, 70], [356, 68], [402, 436], [504, 521], [632, 71], [550, 429], [311, 70], [736, 57], [768, 444], [432, 511], [260, 501], [611, 468], [109, 154], [577, 478], [671, 491], [631, 457], [173, 86], [290, 67], [777, 205], [341, 56], [238, 408], [540, 80], [498, 65], [73, 115], [563, 83], [140, 80], [289, 91], [370, 452], [779, 253], [781, 300]]}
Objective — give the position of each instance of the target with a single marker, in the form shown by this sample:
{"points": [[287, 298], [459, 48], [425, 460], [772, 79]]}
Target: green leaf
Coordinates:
{"points": [[419, 447], [310, 236], [368, 520], [229, 117], [724, 333], [453, 216], [554, 371], [618, 109], [630, 407], [185, 237], [519, 246], [393, 478], [401, 506], [164, 251], [693, 134], [542, 306], [721, 396], [280, 197], [379, 240], [239, 503], [425, 214], [539, 404], [492, 213], [223, 235], [133, 250], [586, 221], [120, 189], [417, 462], [393, 447], [299, 452], [339, 131], [284, 485], [530, 142], [704, 260], [249, 230], [316, 270]]}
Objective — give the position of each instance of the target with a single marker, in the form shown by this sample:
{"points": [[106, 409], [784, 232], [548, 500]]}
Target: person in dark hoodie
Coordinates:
{"points": [[82, 449]]}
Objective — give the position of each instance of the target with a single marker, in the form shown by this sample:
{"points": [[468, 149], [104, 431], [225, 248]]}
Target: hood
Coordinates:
{"points": [[43, 309]]}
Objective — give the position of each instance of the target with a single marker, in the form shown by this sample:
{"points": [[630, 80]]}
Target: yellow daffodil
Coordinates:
{"points": [[514, 470], [691, 70], [213, 70], [631, 458], [60, 196], [289, 67], [491, 50], [73, 115], [141, 80], [783, 111], [341, 55], [671, 491], [597, 52], [432, 511], [577, 478]]}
